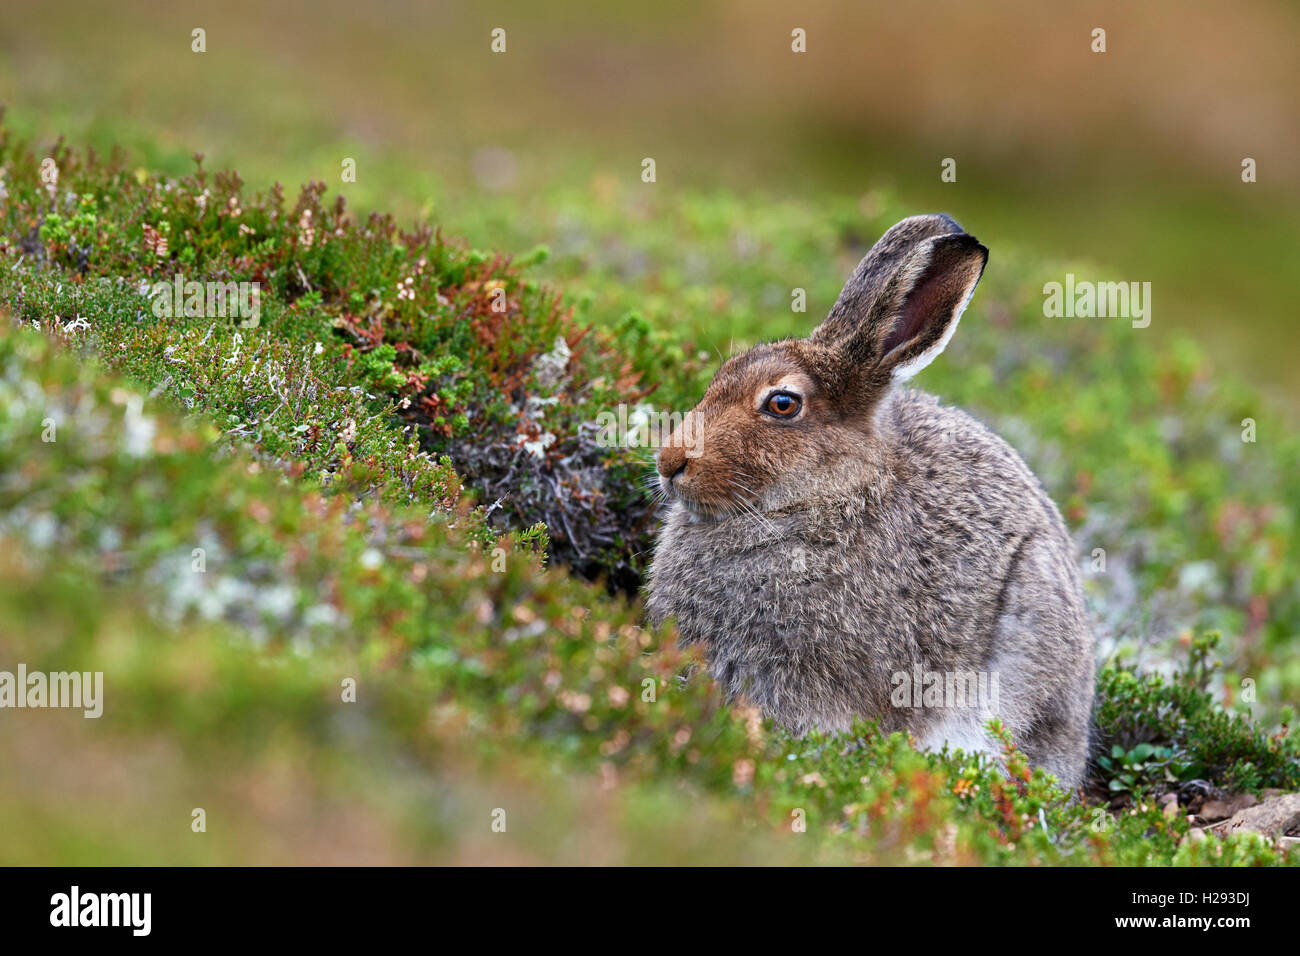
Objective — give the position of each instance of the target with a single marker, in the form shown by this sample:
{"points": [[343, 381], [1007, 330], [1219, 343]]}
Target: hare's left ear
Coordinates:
{"points": [[917, 310]]}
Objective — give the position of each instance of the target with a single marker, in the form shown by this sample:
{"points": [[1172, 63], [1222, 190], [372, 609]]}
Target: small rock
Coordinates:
{"points": [[1273, 818], [1196, 834], [1222, 809]]}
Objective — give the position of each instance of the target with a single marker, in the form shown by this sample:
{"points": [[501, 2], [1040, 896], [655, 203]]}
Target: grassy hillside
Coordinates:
{"points": [[392, 477], [1136, 152]]}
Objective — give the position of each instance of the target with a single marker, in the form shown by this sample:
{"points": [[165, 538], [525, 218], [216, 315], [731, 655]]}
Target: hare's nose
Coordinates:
{"points": [[672, 461]]}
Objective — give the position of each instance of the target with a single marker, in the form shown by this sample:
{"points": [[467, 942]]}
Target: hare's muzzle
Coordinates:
{"points": [[677, 451], [671, 463]]}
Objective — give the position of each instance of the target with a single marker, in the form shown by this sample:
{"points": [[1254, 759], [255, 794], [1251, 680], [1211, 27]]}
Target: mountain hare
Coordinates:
{"points": [[843, 545]]}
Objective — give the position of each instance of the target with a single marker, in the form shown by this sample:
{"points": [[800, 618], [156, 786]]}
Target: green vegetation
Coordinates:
{"points": [[380, 479], [1175, 732]]}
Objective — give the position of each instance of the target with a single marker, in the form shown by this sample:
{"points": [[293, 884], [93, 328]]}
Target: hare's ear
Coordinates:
{"points": [[875, 270], [916, 312]]}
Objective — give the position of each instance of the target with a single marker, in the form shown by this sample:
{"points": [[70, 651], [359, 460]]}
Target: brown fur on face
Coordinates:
{"points": [[729, 453], [878, 532]]}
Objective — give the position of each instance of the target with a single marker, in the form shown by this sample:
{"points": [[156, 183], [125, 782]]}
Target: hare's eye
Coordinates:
{"points": [[782, 405]]}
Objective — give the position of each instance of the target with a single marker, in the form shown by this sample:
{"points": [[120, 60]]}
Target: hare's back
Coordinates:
{"points": [[947, 462]]}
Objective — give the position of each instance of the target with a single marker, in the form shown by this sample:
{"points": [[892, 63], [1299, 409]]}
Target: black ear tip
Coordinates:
{"points": [[979, 249], [961, 251], [955, 230], [963, 242]]}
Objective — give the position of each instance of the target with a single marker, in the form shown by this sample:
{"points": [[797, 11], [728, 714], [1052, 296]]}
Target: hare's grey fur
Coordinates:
{"points": [[831, 557]]}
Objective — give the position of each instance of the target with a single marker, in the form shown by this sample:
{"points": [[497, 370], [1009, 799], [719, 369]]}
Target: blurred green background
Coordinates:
{"points": [[1130, 159]]}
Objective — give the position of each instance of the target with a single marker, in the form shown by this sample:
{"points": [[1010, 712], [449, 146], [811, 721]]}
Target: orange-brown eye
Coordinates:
{"points": [[783, 405]]}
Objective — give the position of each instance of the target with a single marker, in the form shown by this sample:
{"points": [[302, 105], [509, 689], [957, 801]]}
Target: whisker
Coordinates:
{"points": [[748, 509]]}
